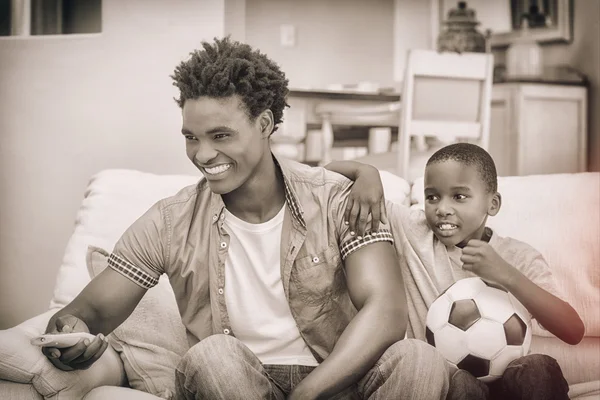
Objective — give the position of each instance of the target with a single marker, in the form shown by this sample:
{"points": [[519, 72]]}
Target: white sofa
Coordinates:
{"points": [[557, 214]]}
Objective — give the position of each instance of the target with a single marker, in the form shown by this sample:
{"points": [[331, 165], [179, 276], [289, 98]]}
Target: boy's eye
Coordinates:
{"points": [[431, 197], [460, 197]]}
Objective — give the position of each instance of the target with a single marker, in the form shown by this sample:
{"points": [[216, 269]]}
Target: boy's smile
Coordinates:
{"points": [[457, 202]]}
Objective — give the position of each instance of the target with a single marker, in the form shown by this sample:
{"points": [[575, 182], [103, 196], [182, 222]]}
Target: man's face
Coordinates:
{"points": [[456, 202], [222, 141]]}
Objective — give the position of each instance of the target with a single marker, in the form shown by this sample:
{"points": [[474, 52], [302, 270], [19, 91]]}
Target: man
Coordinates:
{"points": [[280, 298]]}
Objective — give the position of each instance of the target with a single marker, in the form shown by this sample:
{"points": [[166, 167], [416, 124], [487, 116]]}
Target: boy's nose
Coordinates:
{"points": [[443, 209]]}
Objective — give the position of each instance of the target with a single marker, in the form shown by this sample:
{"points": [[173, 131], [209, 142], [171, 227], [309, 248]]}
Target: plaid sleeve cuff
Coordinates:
{"points": [[383, 235], [131, 272]]}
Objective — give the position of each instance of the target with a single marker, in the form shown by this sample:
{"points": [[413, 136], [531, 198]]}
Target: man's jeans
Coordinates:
{"points": [[533, 377], [221, 367]]}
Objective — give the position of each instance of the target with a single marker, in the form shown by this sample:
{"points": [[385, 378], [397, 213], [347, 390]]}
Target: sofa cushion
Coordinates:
{"points": [[24, 363], [580, 363], [558, 215], [113, 200], [152, 340]]}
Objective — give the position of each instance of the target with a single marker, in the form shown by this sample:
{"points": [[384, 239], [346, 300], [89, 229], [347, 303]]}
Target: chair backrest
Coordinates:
{"points": [[447, 96]]}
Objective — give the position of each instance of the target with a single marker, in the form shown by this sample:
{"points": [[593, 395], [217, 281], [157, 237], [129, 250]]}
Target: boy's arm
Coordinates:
{"points": [[366, 196], [555, 315]]}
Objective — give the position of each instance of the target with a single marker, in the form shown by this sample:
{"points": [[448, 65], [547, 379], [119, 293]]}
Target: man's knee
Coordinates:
{"points": [[417, 352], [210, 352]]}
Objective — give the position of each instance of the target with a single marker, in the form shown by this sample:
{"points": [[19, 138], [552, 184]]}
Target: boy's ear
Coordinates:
{"points": [[266, 122], [495, 204]]}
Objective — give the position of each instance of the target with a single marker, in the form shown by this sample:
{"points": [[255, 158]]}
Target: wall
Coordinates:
{"points": [[584, 55], [71, 106], [337, 41]]}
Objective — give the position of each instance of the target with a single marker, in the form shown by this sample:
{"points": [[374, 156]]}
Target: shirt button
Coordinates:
{"points": [[220, 290], [223, 245], [315, 259], [215, 217], [226, 331], [223, 216]]}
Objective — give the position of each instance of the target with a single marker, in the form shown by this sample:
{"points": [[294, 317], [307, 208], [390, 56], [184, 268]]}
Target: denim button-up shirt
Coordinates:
{"points": [[184, 237]]}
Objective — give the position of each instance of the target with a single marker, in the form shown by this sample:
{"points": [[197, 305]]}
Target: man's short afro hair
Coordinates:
{"points": [[226, 68], [470, 154]]}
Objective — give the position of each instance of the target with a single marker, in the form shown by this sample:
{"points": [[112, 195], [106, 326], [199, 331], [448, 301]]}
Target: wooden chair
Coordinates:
{"points": [[377, 116], [446, 96]]}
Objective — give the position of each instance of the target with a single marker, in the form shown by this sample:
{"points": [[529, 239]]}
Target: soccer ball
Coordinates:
{"points": [[479, 328]]}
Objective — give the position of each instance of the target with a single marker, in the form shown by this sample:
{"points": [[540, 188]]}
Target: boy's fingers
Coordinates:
{"points": [[363, 218], [384, 217], [348, 209], [353, 217], [375, 217]]}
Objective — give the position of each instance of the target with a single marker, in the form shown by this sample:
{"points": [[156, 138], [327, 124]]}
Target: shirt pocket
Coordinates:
{"points": [[319, 276]]}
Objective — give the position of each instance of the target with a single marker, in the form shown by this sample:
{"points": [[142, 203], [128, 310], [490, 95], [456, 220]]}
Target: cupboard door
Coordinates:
{"points": [[552, 129]]}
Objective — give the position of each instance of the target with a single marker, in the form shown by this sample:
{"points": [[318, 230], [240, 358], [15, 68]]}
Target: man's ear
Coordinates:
{"points": [[495, 204], [266, 123]]}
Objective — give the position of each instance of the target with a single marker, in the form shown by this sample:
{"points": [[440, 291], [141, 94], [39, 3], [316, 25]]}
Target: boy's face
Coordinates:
{"points": [[223, 142], [457, 202]]}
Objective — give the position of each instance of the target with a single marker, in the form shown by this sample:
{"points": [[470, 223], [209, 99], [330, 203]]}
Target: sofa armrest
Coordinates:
{"points": [[21, 391], [22, 362]]}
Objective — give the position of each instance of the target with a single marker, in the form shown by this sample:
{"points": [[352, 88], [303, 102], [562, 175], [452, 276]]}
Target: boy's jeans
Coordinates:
{"points": [[533, 377], [221, 367]]}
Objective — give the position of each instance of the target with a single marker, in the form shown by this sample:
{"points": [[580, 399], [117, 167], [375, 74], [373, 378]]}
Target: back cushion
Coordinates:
{"points": [[113, 200]]}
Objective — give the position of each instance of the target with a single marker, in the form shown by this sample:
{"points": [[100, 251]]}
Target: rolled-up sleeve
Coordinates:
{"points": [[142, 251], [349, 242]]}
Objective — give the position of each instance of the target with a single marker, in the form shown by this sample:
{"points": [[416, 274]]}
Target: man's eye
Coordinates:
{"points": [[189, 137], [220, 136], [431, 197], [460, 197]]}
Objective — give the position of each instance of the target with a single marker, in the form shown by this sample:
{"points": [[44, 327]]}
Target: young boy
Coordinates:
{"points": [[449, 241]]}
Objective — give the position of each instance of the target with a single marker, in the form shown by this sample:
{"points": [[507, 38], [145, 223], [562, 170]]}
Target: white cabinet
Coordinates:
{"points": [[538, 128]]}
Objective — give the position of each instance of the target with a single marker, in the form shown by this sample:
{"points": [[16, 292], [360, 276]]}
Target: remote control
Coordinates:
{"points": [[61, 340]]}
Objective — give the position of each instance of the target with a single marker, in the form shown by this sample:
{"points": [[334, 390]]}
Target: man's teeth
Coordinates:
{"points": [[447, 226], [218, 169]]}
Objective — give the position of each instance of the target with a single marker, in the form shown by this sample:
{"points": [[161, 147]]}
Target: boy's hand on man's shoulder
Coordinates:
{"points": [[481, 259], [366, 198]]}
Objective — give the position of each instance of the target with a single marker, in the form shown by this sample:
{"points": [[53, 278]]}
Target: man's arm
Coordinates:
{"points": [[376, 288], [105, 303]]}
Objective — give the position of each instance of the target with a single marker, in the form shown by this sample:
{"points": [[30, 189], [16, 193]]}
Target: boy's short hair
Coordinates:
{"points": [[227, 67], [470, 154]]}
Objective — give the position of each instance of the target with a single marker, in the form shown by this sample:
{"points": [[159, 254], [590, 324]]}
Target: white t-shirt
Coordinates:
{"points": [[258, 310]]}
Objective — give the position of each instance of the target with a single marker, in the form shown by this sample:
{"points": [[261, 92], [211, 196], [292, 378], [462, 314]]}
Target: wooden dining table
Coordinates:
{"points": [[301, 115]]}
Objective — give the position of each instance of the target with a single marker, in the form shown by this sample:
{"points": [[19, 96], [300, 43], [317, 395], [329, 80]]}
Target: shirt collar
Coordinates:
{"points": [[217, 207]]}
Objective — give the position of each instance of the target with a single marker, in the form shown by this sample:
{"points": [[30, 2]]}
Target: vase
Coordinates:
{"points": [[460, 34]]}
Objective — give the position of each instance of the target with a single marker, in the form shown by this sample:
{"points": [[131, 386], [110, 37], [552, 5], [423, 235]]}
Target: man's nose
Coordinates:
{"points": [[204, 153]]}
